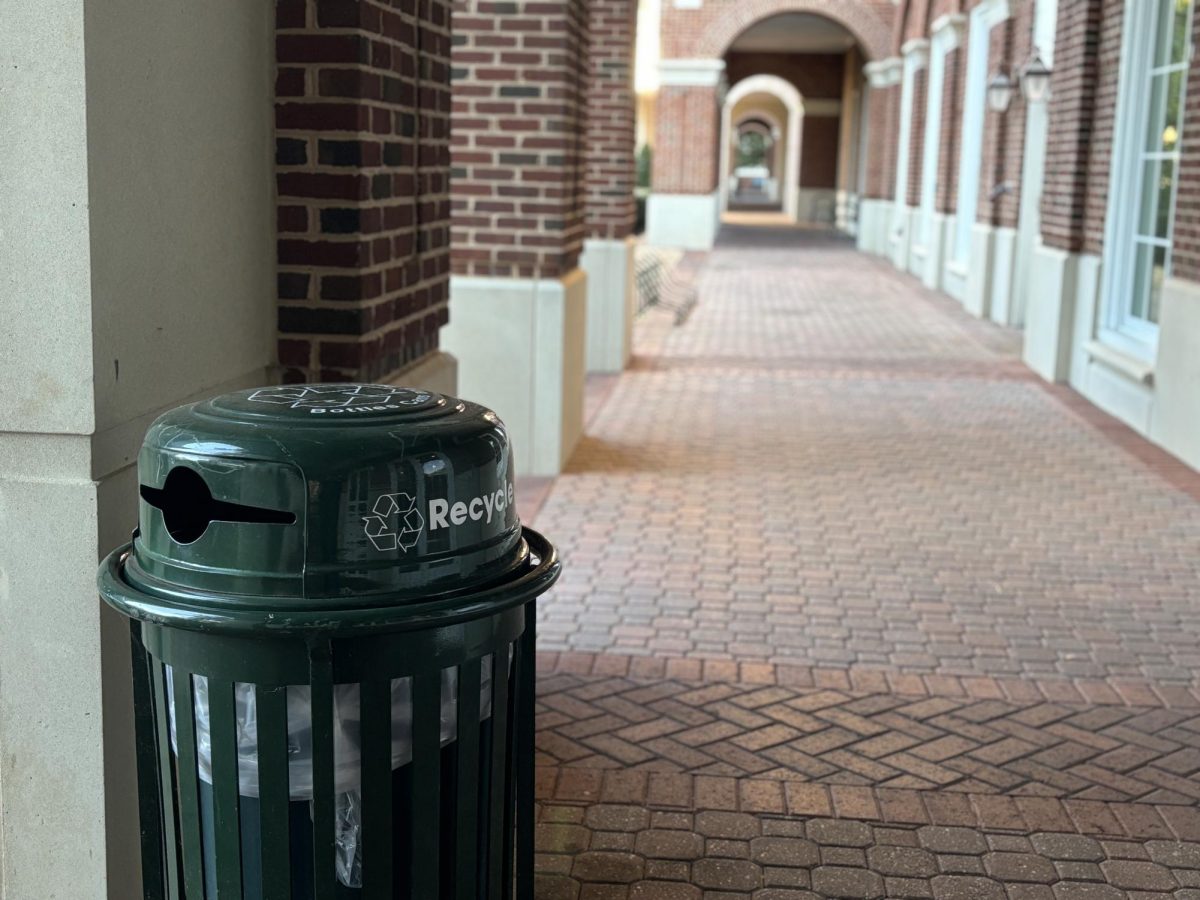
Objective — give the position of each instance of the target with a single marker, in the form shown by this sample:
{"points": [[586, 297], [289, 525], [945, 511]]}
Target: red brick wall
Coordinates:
{"points": [[1186, 258], [951, 131], [814, 75], [891, 141], [685, 150], [917, 136], [517, 151], [878, 141], [362, 177], [611, 120], [1077, 125]]}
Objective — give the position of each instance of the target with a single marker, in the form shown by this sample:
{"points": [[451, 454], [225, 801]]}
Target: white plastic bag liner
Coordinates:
{"points": [[346, 744]]}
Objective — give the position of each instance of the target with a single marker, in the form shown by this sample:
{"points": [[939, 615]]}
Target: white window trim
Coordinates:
{"points": [[1117, 329], [984, 18], [946, 32], [916, 55]]}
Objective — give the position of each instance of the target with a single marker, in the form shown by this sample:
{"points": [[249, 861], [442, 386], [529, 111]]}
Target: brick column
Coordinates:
{"points": [[879, 144], [1073, 119], [362, 176], [518, 296], [611, 177], [684, 209]]}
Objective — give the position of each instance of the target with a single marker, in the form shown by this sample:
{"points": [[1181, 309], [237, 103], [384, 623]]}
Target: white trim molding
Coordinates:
{"points": [[885, 72], [690, 72]]}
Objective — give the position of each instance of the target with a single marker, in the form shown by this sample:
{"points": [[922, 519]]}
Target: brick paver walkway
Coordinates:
{"points": [[854, 606]]}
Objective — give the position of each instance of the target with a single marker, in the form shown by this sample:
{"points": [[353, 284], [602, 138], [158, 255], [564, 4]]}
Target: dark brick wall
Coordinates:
{"points": [[819, 152], [1186, 258], [520, 72], [362, 169], [611, 120], [814, 75], [1080, 131], [880, 141]]}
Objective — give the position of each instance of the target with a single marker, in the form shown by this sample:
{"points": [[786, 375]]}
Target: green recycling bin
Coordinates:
{"points": [[332, 606]]}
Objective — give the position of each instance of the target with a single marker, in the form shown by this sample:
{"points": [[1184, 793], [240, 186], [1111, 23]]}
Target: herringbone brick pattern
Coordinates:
{"points": [[854, 607], [827, 466], [1039, 749]]}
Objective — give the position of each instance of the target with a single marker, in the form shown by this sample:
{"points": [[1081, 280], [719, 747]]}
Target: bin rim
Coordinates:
{"points": [[189, 611]]}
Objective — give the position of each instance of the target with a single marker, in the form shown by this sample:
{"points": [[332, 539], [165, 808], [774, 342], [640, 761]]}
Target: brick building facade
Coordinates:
{"points": [[362, 121], [1042, 218], [1031, 211], [451, 172]]}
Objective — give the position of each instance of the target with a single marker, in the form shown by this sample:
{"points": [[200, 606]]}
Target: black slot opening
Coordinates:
{"points": [[188, 507]]}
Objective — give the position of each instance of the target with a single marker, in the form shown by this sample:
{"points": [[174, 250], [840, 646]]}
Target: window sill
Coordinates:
{"points": [[1130, 366], [957, 268]]}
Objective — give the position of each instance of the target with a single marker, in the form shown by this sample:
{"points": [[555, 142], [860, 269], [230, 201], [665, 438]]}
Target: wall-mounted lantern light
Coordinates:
{"points": [[1000, 92], [1035, 79]]}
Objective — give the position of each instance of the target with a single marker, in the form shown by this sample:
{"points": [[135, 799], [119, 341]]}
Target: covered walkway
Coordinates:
{"points": [[855, 605]]}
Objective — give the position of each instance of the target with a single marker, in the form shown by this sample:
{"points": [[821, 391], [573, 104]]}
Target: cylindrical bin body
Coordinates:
{"points": [[332, 599]]}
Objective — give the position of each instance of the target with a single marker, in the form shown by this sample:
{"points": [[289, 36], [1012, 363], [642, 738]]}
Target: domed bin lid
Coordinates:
{"points": [[324, 497]]}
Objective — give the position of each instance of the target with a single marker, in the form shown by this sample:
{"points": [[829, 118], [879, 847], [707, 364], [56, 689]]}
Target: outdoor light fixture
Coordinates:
{"points": [[1035, 79], [1000, 92]]}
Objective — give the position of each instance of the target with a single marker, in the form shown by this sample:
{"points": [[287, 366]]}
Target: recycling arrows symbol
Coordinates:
{"points": [[396, 523]]}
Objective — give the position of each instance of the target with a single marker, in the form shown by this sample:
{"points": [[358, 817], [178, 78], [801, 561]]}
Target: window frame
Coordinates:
{"points": [[1118, 327]]}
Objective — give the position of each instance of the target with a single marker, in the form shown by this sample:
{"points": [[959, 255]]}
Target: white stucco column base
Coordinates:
{"points": [[521, 345], [1003, 308], [438, 372], [873, 215], [611, 302], [935, 252], [977, 299], [900, 236], [1049, 318], [1177, 372], [683, 221]]}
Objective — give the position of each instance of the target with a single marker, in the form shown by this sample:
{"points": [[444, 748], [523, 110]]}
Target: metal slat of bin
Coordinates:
{"points": [[226, 824], [166, 778], [183, 690], [273, 783], [375, 698], [466, 852], [426, 791]]}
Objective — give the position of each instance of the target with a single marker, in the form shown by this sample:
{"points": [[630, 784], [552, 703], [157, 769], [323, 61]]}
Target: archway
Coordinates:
{"points": [[872, 31], [757, 130], [785, 94]]}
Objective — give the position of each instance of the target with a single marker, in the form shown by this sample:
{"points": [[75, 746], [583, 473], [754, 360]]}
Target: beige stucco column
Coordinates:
{"points": [[136, 271]]}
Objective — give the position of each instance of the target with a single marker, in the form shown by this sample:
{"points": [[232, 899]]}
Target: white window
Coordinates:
{"points": [[1145, 173]]}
